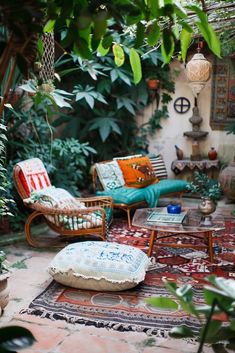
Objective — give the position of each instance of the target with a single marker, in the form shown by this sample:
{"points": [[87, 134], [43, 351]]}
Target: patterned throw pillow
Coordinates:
{"points": [[62, 199], [99, 266], [159, 166], [110, 175], [33, 175], [127, 157], [137, 172]]}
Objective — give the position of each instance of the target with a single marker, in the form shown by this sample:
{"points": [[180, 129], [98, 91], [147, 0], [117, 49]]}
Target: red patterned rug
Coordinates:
{"points": [[128, 310]]}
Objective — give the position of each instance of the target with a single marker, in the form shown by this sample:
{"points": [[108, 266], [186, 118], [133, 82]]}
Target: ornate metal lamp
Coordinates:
{"points": [[198, 71]]}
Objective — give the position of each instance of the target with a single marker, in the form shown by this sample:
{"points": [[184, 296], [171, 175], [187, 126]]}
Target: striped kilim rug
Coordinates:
{"points": [[128, 310]]}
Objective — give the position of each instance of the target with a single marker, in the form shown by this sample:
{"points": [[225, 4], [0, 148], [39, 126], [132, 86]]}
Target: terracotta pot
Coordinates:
{"points": [[212, 154], [153, 84], [4, 291], [227, 181]]}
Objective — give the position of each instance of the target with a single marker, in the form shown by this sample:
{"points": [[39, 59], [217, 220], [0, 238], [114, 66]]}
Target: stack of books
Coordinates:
{"points": [[164, 217]]}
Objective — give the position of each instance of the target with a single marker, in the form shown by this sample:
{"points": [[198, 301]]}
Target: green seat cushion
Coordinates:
{"points": [[124, 195], [171, 185], [150, 194]]}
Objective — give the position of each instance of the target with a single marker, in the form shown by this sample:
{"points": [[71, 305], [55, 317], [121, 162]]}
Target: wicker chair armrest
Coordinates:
{"points": [[67, 212], [94, 201]]}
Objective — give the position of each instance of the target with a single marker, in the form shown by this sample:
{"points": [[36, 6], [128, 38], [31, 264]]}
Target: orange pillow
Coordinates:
{"points": [[137, 172]]}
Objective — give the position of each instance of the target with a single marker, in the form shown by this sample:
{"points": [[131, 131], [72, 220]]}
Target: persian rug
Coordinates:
{"points": [[128, 310]]}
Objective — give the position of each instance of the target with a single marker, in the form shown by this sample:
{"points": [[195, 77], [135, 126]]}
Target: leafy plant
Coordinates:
{"points": [[14, 338], [4, 182], [204, 186], [105, 124], [3, 264], [216, 316], [67, 161], [46, 94]]}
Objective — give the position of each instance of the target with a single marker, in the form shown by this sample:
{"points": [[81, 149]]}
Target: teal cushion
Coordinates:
{"points": [[128, 195], [171, 185], [124, 195]]}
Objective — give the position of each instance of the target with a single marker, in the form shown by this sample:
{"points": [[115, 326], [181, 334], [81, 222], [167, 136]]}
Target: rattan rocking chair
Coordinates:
{"points": [[30, 175]]}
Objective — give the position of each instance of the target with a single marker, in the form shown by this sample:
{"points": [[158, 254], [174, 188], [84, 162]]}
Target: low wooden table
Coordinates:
{"points": [[190, 224]]}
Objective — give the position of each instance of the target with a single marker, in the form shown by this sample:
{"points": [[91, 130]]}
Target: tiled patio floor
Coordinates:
{"points": [[29, 278]]}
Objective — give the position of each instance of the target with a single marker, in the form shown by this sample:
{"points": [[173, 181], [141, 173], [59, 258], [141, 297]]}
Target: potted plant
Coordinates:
{"points": [[205, 187], [4, 275], [216, 315], [210, 192]]}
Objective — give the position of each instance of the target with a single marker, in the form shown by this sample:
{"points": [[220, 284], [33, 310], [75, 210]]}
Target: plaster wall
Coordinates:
{"points": [[173, 128]]}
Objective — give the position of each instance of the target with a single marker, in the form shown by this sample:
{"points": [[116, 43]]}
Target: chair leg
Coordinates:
{"points": [[129, 217], [27, 229]]}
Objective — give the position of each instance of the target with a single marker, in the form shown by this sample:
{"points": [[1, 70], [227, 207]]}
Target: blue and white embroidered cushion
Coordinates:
{"points": [[110, 175], [99, 266]]}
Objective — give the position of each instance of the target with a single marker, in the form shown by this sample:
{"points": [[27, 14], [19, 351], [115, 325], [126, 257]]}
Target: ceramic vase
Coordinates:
{"points": [[206, 207], [212, 154], [227, 181], [179, 152]]}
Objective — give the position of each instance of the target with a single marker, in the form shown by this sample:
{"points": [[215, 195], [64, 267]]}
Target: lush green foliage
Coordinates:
{"points": [[87, 27], [150, 22], [106, 99], [204, 186], [67, 161], [219, 296], [4, 182]]}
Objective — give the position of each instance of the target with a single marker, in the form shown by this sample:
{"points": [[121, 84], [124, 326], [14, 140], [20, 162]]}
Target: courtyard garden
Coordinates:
{"points": [[93, 146]]}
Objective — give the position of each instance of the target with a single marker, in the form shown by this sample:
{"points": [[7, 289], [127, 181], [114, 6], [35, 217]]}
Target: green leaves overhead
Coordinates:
{"points": [[119, 56], [206, 30], [153, 33], [185, 39], [90, 27], [210, 37], [168, 45], [135, 65]]}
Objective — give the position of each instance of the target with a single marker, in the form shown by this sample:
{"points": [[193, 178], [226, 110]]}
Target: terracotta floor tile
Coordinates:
{"points": [[47, 337], [86, 344]]}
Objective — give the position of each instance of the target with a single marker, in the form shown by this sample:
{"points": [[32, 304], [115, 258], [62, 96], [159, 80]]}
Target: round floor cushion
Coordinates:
{"points": [[99, 266]]}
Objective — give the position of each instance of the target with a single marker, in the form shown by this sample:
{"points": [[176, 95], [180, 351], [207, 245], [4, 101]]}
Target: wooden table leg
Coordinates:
{"points": [[153, 235], [210, 245]]}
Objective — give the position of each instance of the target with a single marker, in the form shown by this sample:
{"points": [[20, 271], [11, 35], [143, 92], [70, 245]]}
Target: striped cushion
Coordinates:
{"points": [[159, 166], [61, 199], [33, 175]]}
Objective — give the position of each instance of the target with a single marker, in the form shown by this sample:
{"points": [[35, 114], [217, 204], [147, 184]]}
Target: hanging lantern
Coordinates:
{"points": [[198, 71]]}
